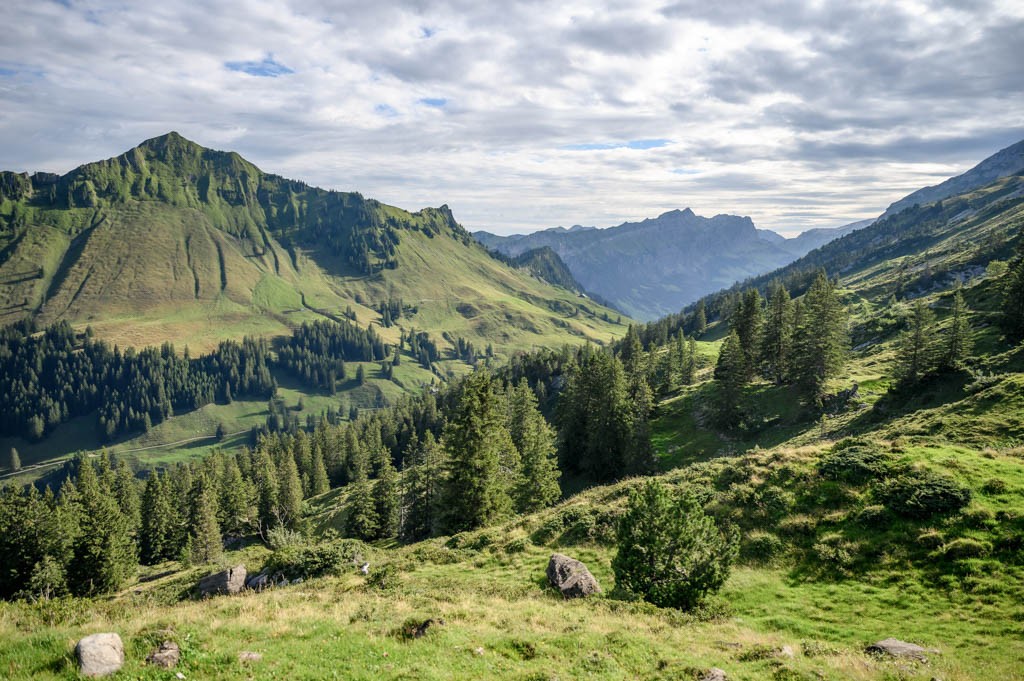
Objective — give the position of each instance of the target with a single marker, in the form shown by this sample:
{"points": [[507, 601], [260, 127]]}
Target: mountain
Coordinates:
{"points": [[173, 241], [653, 267], [1008, 161]]}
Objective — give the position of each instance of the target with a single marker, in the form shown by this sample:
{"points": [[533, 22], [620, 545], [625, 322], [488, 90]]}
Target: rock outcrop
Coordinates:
{"points": [[229, 581], [571, 577]]}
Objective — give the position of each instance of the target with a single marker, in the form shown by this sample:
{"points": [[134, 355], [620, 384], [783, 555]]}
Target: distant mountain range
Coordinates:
{"points": [[657, 266], [654, 267]]}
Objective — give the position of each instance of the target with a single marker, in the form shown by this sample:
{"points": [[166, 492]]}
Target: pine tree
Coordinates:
{"points": [[669, 551], [535, 441], [777, 342], [13, 460], [126, 492], [700, 319], [289, 497], [362, 522], [158, 533], [319, 482], [236, 501], [958, 343], [595, 418], [204, 537], [422, 488], [477, 442], [915, 356], [748, 322], [821, 339], [731, 376], [386, 498], [266, 490], [104, 553], [1012, 284], [688, 372]]}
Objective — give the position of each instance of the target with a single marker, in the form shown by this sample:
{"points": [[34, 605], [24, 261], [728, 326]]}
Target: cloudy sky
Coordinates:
{"points": [[524, 115]]}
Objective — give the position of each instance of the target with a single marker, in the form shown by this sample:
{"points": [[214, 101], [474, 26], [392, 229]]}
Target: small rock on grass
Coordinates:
{"points": [[894, 647], [249, 656], [167, 655], [714, 674]]}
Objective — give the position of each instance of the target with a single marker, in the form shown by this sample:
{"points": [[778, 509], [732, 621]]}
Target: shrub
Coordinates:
{"points": [[385, 578], [965, 547], [515, 546], [922, 494], [316, 560], [856, 464], [835, 551], [931, 539], [873, 516], [669, 551], [994, 486], [761, 547]]}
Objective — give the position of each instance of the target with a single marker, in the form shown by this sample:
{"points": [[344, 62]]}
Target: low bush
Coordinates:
{"points": [[316, 560], [856, 464], [965, 547], [761, 547], [922, 494]]}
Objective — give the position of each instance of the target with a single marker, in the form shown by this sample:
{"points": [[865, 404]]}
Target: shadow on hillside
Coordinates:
{"points": [[930, 393]]}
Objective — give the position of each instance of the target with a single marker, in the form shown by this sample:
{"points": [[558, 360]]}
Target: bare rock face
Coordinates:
{"points": [[894, 647], [100, 655], [571, 577], [230, 581], [167, 655]]}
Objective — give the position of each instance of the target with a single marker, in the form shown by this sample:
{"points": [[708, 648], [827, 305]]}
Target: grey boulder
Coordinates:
{"points": [[229, 581], [714, 674], [571, 577], [894, 647], [100, 655]]}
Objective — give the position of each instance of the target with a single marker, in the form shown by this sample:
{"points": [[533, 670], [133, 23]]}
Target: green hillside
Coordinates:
{"points": [[174, 241]]}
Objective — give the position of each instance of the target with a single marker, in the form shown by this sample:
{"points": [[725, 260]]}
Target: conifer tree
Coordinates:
{"points": [[386, 498], [267, 485], [688, 372], [595, 418], [127, 494], [104, 553], [777, 342], [289, 496], [422, 488], [319, 482], [362, 522], [1012, 284], [535, 441], [700, 319], [204, 542], [748, 322], [236, 499], [13, 460], [158, 533], [477, 443], [915, 356], [820, 340], [731, 376], [958, 343]]}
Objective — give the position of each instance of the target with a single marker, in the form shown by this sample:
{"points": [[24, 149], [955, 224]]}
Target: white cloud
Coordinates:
{"points": [[525, 115]]}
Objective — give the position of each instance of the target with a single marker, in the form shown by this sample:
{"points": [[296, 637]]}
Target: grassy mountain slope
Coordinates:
{"points": [[826, 565], [174, 241]]}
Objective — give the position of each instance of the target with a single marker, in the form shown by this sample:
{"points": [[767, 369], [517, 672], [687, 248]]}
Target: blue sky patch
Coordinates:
{"points": [[631, 144], [385, 110], [436, 102], [268, 68]]}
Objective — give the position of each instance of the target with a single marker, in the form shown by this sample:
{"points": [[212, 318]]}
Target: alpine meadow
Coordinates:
{"points": [[254, 427]]}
